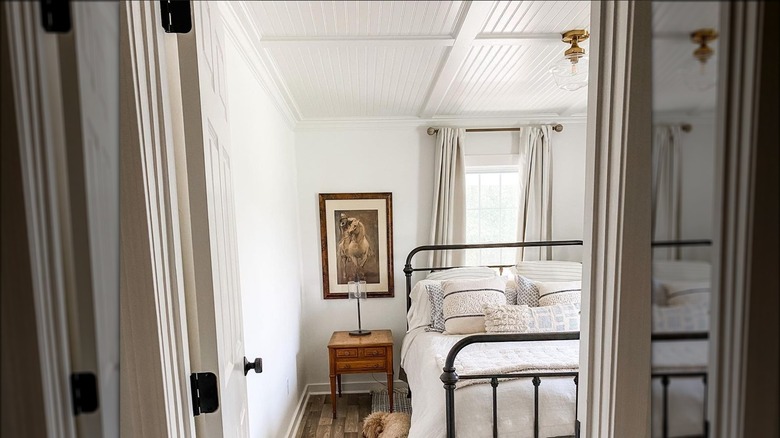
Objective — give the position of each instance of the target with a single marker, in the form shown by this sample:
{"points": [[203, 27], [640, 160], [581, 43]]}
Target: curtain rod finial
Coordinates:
{"points": [[557, 127], [432, 130], [686, 127]]}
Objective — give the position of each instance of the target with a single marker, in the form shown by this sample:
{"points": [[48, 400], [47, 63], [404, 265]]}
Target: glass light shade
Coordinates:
{"points": [[570, 76], [700, 76], [356, 289]]}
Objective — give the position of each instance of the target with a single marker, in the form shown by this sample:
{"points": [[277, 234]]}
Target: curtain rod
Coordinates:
{"points": [[685, 127], [555, 127]]}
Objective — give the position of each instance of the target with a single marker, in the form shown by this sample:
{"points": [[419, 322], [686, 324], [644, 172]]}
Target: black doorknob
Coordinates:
{"points": [[256, 365]]}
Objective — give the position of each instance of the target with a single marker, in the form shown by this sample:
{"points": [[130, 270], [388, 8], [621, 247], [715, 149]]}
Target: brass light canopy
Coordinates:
{"points": [[703, 37], [574, 37]]}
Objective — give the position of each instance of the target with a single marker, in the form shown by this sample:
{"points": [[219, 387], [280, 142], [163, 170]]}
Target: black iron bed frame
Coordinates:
{"points": [[450, 377]]}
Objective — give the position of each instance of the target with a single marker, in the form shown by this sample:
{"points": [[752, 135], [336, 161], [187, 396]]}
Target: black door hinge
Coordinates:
{"points": [[83, 390], [55, 15], [205, 398], [176, 16]]}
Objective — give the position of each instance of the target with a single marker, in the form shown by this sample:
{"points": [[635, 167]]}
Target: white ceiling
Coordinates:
{"points": [[673, 51], [423, 60], [417, 60]]}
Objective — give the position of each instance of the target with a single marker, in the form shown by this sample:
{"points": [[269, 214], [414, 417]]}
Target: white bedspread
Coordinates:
{"points": [[422, 357]]}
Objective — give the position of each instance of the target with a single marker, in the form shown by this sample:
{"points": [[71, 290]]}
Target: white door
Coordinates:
{"points": [[67, 103], [219, 344]]}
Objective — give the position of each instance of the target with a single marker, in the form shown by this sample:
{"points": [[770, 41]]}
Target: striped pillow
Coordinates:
{"points": [[463, 302], [559, 292], [550, 270], [466, 272], [681, 293]]}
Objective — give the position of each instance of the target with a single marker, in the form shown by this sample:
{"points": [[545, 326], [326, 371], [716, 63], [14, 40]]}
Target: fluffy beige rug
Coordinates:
{"points": [[387, 425]]}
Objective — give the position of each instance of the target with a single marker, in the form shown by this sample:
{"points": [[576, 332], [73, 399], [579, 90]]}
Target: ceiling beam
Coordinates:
{"points": [[474, 19], [361, 41]]}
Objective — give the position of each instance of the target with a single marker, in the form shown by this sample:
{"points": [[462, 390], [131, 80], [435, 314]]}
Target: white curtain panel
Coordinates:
{"points": [[448, 221], [534, 216], [667, 167]]}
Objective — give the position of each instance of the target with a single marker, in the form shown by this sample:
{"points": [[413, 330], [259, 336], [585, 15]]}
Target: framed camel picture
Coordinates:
{"points": [[356, 235]]}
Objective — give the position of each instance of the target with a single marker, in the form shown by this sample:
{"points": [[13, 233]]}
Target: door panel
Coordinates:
{"points": [[207, 133]]}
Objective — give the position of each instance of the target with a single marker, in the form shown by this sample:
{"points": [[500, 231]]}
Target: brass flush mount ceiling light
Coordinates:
{"points": [[571, 72], [701, 74]]}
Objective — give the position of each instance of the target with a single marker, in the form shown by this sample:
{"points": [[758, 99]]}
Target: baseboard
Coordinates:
{"points": [[324, 388], [352, 387], [300, 412]]}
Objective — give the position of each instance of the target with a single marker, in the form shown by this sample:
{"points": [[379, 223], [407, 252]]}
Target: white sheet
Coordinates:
{"points": [[473, 404]]}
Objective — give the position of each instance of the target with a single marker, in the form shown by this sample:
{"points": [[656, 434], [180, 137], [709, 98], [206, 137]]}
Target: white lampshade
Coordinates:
{"points": [[570, 76]]}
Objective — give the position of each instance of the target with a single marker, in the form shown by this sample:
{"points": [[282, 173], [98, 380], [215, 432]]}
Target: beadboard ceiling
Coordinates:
{"points": [[673, 50], [420, 60], [449, 60]]}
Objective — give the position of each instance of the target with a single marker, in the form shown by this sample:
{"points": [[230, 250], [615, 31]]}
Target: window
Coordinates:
{"points": [[491, 213]]}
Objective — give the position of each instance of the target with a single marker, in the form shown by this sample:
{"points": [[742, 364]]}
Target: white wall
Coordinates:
{"points": [[265, 190], [399, 160], [698, 183], [360, 160]]}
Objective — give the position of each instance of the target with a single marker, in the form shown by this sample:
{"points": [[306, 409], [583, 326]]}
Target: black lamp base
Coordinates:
{"points": [[360, 332]]}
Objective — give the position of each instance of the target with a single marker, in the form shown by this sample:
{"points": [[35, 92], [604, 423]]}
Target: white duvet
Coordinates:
{"points": [[422, 356]]}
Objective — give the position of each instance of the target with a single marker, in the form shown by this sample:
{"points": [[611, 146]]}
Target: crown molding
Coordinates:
{"points": [[344, 123], [246, 35]]}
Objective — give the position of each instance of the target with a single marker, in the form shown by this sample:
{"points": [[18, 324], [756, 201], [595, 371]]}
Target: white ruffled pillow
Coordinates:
{"points": [[523, 319]]}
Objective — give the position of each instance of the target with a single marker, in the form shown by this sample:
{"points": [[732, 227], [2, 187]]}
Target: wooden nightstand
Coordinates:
{"points": [[360, 354]]}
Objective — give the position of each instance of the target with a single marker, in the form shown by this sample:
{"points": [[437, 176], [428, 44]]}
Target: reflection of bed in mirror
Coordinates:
{"points": [[681, 314], [524, 383]]}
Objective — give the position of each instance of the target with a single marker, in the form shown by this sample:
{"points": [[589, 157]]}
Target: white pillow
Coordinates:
{"points": [[523, 319], [680, 293], [680, 318], [559, 292], [419, 314], [466, 272], [463, 301], [549, 270], [677, 270]]}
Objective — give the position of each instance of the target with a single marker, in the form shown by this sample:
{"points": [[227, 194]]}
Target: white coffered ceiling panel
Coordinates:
{"points": [[511, 79], [414, 60], [356, 18], [357, 81], [537, 17]]}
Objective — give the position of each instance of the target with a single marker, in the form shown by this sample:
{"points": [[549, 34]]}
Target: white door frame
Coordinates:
{"points": [[155, 356], [743, 355], [40, 129], [615, 345]]}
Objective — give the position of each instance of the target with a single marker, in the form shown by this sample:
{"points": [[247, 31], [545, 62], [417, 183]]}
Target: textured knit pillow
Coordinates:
{"points": [[511, 291], [681, 293], [523, 319], [527, 292], [559, 292], [436, 297], [463, 301], [680, 318]]}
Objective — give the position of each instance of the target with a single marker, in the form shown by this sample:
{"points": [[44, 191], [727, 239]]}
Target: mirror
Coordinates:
{"points": [[685, 58]]}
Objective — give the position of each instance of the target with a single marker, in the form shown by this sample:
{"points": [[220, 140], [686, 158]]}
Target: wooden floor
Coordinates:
{"points": [[318, 421]]}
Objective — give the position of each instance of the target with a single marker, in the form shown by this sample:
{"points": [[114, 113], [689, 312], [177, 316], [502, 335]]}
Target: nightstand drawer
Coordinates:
{"points": [[373, 352], [362, 365], [347, 352]]}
